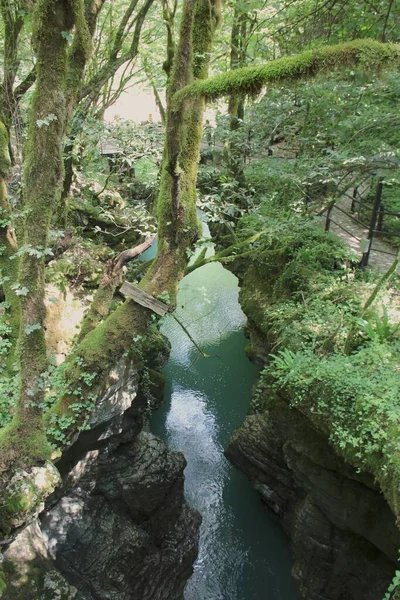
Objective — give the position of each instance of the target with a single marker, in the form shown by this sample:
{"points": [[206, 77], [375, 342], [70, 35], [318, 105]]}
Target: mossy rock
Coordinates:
{"points": [[24, 495]]}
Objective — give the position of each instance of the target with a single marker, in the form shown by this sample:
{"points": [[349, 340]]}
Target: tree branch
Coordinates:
{"points": [[251, 80], [93, 87], [25, 84], [100, 306]]}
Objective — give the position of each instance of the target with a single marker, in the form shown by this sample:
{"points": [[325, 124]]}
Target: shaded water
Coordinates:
{"points": [[243, 554]]}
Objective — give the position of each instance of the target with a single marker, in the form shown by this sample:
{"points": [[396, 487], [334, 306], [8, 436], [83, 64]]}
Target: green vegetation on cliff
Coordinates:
{"points": [[330, 352]]}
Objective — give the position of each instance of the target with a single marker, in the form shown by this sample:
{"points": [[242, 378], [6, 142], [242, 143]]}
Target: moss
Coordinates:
{"points": [[179, 226], [156, 386], [101, 348], [31, 576], [24, 493], [42, 178], [368, 54], [28, 445], [100, 306], [8, 268], [5, 161], [157, 379], [3, 584], [20, 502]]}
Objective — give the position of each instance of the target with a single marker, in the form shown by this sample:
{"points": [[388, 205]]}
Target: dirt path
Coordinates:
{"points": [[382, 254]]}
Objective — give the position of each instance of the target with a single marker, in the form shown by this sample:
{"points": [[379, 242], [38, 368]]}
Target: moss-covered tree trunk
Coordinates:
{"points": [[233, 151], [42, 177], [8, 268], [178, 223], [12, 15]]}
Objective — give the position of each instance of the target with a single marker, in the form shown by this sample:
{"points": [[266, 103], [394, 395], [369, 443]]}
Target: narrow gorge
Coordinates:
{"points": [[199, 382]]}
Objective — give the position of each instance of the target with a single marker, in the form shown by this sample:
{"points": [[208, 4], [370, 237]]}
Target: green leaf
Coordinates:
{"points": [[22, 291], [31, 328], [67, 36], [46, 120]]}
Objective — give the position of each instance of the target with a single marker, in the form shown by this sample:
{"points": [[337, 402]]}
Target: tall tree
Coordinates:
{"points": [[25, 438], [42, 180]]}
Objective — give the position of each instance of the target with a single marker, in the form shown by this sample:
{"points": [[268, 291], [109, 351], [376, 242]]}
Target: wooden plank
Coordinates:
{"points": [[144, 299]]}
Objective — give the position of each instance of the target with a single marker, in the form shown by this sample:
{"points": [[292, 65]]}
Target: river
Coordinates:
{"points": [[243, 555]]}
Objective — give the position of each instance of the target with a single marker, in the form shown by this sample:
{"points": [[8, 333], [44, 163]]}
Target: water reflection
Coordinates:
{"points": [[192, 426]]}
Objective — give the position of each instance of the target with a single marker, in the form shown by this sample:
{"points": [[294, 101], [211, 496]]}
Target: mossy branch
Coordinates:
{"points": [[79, 53], [100, 306], [368, 54], [237, 250]]}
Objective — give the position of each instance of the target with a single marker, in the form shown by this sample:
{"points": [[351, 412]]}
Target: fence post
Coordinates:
{"points": [[372, 223], [353, 202], [380, 217], [328, 216]]}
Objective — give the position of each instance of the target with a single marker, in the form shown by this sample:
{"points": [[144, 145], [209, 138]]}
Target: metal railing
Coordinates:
{"points": [[375, 223]]}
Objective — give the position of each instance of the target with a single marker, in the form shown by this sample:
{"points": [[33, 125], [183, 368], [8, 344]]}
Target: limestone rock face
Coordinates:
{"points": [[124, 532], [343, 533], [118, 527], [30, 572]]}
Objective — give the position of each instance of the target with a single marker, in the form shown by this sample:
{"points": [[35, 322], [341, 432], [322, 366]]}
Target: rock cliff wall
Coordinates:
{"points": [[118, 528], [318, 446], [343, 534]]}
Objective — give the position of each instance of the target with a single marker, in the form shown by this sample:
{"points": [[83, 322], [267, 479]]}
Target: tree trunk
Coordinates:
{"points": [[42, 177], [13, 24], [178, 224], [233, 151], [8, 248]]}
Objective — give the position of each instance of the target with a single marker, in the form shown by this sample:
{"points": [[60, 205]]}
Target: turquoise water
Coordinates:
{"points": [[243, 555]]}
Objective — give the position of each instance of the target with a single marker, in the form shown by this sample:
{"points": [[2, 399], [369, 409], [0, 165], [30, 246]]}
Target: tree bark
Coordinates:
{"points": [[233, 150], [13, 24]]}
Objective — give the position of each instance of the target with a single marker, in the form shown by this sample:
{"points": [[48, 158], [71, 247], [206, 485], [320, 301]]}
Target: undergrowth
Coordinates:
{"points": [[303, 290]]}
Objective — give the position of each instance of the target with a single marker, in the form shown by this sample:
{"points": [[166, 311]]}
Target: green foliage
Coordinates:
{"points": [[45, 122], [304, 296], [20, 290], [223, 199], [59, 426], [379, 328], [352, 398], [393, 592], [308, 143], [134, 166], [80, 266], [8, 384]]}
